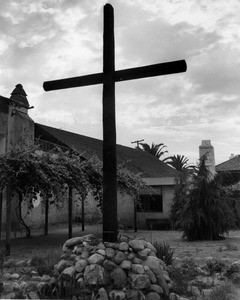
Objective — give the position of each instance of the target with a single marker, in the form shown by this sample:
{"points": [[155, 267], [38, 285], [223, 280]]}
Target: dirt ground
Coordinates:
{"points": [[229, 248]]}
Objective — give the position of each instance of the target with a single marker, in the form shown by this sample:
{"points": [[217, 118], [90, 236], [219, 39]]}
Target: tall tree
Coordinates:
{"points": [[205, 213], [179, 162], [156, 150]]}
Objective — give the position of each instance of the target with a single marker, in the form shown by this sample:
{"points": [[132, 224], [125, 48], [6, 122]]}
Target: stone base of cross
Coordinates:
{"points": [[108, 79]]}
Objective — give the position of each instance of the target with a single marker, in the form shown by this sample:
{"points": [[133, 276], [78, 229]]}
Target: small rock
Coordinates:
{"points": [[151, 275], [236, 266], [120, 256], [85, 254], [139, 281], [15, 286], [141, 296], [177, 262], [111, 245], [138, 269], [68, 272], [101, 251], [96, 259], [208, 259], [156, 288], [32, 285], [62, 264], [116, 294], [95, 275], [101, 246], [118, 278], [109, 265], [137, 245], [174, 296], [110, 252], [132, 294], [153, 296], [144, 253], [45, 278], [193, 290], [131, 256], [151, 247], [126, 265], [29, 263], [73, 256], [34, 273], [25, 277], [33, 295], [137, 260], [166, 276], [23, 286], [102, 294], [123, 246], [20, 263], [81, 265], [206, 293], [40, 287], [36, 278], [78, 240], [14, 276]]}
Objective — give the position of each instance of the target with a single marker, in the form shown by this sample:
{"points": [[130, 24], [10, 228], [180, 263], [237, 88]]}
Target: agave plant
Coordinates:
{"points": [[164, 252]]}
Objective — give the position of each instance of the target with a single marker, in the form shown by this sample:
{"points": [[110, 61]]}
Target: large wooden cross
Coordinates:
{"points": [[108, 78]]}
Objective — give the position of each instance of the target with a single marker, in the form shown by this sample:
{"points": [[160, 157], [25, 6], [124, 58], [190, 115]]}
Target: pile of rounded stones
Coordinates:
{"points": [[127, 269]]}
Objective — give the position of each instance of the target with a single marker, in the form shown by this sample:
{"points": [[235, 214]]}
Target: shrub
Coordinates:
{"points": [[224, 292], [215, 266], [181, 276], [164, 252], [206, 214], [44, 260]]}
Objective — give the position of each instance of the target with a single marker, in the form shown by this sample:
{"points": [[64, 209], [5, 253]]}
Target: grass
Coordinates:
{"points": [[44, 260]]}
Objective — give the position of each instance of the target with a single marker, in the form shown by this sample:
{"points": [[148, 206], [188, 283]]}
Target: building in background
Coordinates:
{"points": [[16, 127], [206, 149]]}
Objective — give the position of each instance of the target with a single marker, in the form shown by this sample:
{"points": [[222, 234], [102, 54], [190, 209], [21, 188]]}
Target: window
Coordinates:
{"points": [[150, 203]]}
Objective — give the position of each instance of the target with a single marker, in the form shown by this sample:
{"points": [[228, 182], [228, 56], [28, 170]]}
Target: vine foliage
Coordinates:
{"points": [[31, 172]]}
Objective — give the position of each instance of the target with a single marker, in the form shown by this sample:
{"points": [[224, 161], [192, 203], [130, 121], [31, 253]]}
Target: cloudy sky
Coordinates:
{"points": [[43, 40]]}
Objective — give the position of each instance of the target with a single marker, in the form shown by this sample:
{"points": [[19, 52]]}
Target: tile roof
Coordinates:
{"points": [[137, 161], [232, 164]]}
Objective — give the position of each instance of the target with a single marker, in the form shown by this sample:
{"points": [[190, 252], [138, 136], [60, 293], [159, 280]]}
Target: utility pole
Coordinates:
{"points": [[137, 142]]}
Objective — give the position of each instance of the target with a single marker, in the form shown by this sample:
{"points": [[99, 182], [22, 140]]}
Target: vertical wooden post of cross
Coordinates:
{"points": [[108, 78], [8, 218], [109, 209], [70, 208], [1, 207]]}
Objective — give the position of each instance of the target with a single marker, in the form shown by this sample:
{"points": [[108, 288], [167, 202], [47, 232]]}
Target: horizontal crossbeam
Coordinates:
{"points": [[120, 75]]}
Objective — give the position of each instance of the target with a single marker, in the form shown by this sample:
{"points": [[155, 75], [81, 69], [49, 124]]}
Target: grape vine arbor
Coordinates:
{"points": [[108, 79]]}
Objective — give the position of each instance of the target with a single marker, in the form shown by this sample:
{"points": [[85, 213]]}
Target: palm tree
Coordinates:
{"points": [[156, 150], [179, 163]]}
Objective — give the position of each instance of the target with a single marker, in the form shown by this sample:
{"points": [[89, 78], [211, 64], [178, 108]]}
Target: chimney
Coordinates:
{"points": [[231, 156], [207, 149]]}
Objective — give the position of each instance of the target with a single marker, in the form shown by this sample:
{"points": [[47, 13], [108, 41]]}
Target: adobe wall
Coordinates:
{"points": [[167, 197]]}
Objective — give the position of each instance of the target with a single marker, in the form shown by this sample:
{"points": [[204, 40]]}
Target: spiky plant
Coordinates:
{"points": [[164, 252]]}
